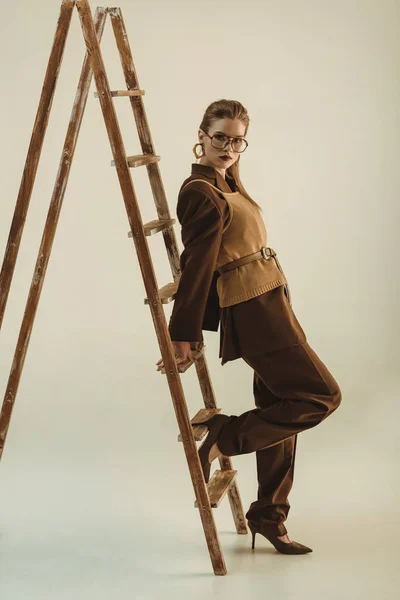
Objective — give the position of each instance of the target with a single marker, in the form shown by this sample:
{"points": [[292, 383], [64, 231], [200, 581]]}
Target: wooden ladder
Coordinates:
{"points": [[223, 481]]}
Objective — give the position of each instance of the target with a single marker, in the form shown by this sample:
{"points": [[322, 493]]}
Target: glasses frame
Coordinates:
{"points": [[229, 139]]}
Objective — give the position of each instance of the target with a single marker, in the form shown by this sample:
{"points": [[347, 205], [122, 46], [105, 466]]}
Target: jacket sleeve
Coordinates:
{"points": [[202, 224]]}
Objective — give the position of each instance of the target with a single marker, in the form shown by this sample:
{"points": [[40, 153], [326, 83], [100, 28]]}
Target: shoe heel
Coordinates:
{"points": [[253, 531], [283, 547]]}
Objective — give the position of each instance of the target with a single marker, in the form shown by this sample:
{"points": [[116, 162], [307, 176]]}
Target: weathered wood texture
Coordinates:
{"points": [[145, 262], [166, 293], [145, 139], [155, 226], [218, 486], [33, 155], [199, 431], [48, 235], [119, 93], [139, 160], [223, 481]]}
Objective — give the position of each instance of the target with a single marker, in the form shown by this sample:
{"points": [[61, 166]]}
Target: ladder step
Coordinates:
{"points": [[166, 293], [138, 160], [119, 93], [183, 367], [219, 484], [155, 226], [199, 431]]}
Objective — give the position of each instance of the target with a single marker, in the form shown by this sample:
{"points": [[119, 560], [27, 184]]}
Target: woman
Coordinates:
{"points": [[230, 275]]}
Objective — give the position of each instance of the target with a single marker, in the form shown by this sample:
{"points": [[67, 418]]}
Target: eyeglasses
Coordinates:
{"points": [[220, 140]]}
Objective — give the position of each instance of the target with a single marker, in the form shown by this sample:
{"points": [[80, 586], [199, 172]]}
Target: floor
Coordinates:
{"points": [[121, 532]]}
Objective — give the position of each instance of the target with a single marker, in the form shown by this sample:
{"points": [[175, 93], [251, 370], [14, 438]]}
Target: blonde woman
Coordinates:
{"points": [[232, 278]]}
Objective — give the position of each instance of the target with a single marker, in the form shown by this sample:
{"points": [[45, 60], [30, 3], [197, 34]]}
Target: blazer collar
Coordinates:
{"points": [[212, 175]]}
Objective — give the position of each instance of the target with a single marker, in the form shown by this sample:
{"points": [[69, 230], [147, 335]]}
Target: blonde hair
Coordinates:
{"points": [[229, 109]]}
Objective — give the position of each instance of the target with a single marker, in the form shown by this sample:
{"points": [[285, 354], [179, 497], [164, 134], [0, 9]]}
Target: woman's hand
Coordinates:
{"points": [[183, 353]]}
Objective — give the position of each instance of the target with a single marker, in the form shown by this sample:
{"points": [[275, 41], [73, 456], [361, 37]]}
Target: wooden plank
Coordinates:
{"points": [[204, 414], [155, 226], [140, 160], [34, 152], [197, 354], [166, 293], [199, 431], [121, 93], [218, 486]]}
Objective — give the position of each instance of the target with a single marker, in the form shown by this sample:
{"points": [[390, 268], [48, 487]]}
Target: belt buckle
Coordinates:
{"points": [[264, 254]]}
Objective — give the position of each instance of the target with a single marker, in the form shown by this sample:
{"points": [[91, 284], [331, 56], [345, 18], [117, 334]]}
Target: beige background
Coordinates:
{"points": [[96, 496]]}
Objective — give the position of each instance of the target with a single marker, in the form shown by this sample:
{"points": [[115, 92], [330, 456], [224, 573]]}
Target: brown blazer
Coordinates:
{"points": [[202, 214]]}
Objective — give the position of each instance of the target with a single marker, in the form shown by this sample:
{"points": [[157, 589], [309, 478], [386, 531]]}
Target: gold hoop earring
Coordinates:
{"points": [[195, 152]]}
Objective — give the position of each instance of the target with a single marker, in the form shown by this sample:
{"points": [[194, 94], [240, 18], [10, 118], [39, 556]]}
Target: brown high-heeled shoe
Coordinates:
{"points": [[283, 547], [214, 424]]}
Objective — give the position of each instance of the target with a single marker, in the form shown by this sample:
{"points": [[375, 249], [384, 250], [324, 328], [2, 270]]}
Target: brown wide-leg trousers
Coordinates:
{"points": [[293, 391]]}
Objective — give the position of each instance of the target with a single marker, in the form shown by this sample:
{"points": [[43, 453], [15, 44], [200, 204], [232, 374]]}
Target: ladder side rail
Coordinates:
{"points": [[137, 104], [148, 274], [34, 152], [225, 462], [145, 139], [47, 238], [139, 113]]}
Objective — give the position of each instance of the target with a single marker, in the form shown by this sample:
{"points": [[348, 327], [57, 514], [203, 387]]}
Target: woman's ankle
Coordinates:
{"points": [[214, 452]]}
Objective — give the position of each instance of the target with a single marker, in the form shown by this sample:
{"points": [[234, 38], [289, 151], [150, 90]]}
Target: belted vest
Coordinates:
{"points": [[243, 235]]}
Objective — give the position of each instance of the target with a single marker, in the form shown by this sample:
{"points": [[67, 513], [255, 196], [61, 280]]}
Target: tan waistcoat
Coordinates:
{"points": [[243, 234]]}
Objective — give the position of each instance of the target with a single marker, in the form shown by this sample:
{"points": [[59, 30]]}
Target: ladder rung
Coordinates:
{"points": [[218, 486], [155, 226], [138, 160], [183, 367], [199, 431], [166, 292], [119, 93]]}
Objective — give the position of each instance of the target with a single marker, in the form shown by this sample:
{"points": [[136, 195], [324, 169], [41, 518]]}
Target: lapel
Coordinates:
{"points": [[213, 176], [212, 310]]}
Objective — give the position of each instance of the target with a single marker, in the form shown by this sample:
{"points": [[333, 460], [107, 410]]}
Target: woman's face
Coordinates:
{"points": [[212, 158]]}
